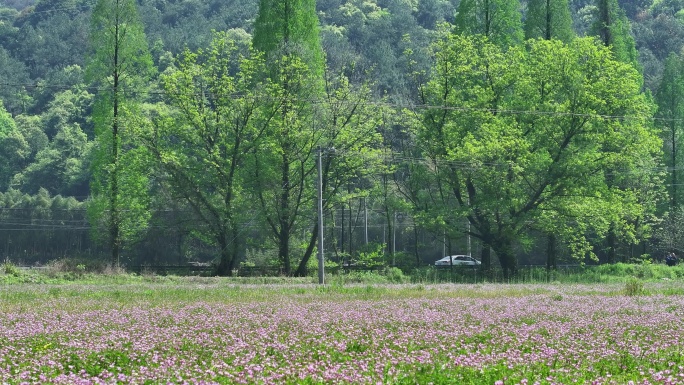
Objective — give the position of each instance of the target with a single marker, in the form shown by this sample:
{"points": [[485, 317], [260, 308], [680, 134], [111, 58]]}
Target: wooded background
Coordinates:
{"points": [[539, 132]]}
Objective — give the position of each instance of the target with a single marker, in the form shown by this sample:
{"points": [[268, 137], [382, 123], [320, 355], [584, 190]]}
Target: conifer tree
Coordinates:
{"points": [[612, 27], [498, 20], [670, 99], [549, 19], [290, 27], [119, 61]]}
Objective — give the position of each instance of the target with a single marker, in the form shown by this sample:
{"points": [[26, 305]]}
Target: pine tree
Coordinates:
{"points": [[612, 27], [498, 20], [549, 19], [119, 60], [670, 99], [290, 27]]}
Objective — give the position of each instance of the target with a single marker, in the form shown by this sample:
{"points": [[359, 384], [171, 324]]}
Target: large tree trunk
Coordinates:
{"points": [[225, 267], [301, 269], [503, 247], [551, 253], [284, 219], [611, 240], [486, 259], [284, 248]]}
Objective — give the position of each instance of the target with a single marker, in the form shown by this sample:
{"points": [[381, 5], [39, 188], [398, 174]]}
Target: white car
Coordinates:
{"points": [[458, 260]]}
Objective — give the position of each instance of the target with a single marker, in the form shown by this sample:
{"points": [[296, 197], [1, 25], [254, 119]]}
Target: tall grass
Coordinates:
{"points": [[65, 273], [608, 273]]}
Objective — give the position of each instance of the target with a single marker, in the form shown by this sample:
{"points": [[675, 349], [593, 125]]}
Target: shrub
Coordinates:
{"points": [[634, 286], [395, 275], [10, 269], [366, 277]]}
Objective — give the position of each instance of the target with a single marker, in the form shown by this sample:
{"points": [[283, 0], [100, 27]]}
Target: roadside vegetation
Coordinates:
{"points": [[66, 271]]}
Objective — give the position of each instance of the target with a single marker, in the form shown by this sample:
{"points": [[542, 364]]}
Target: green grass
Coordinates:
{"points": [[125, 292], [17, 285]]}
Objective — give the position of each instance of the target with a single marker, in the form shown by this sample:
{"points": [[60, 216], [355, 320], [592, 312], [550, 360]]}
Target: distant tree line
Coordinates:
{"points": [[155, 132]]}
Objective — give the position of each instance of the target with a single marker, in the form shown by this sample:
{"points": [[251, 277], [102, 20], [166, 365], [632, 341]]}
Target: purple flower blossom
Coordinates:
{"points": [[590, 334]]}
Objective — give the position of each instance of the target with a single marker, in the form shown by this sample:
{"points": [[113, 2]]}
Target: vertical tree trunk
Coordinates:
{"points": [[342, 228], [503, 247], [551, 253], [225, 268], [612, 254], [674, 165], [301, 269], [415, 244], [284, 233], [486, 259], [390, 234], [114, 204], [547, 35], [351, 225]]}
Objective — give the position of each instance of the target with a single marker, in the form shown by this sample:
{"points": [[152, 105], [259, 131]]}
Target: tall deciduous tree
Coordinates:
{"points": [[284, 166], [613, 29], [544, 167], [549, 19], [220, 113], [286, 32], [119, 61], [670, 99], [498, 20], [348, 123]]}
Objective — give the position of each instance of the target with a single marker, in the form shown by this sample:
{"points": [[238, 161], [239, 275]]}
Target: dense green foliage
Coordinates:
{"points": [[510, 169], [202, 144], [192, 135], [498, 20], [549, 19], [286, 32], [289, 27], [670, 99], [613, 29], [118, 64]]}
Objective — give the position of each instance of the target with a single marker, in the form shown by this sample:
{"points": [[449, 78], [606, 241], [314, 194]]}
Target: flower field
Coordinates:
{"points": [[446, 334]]}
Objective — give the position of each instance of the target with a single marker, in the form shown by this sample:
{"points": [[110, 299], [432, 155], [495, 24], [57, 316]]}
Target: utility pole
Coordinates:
{"points": [[321, 261]]}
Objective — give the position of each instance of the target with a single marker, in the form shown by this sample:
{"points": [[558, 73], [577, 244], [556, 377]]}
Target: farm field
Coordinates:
{"points": [[212, 331]]}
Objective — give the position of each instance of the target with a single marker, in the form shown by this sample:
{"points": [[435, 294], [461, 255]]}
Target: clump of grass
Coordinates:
{"points": [[634, 287], [10, 269], [395, 275]]}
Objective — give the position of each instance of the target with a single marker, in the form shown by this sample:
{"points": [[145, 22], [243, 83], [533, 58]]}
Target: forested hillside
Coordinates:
{"points": [[534, 132]]}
